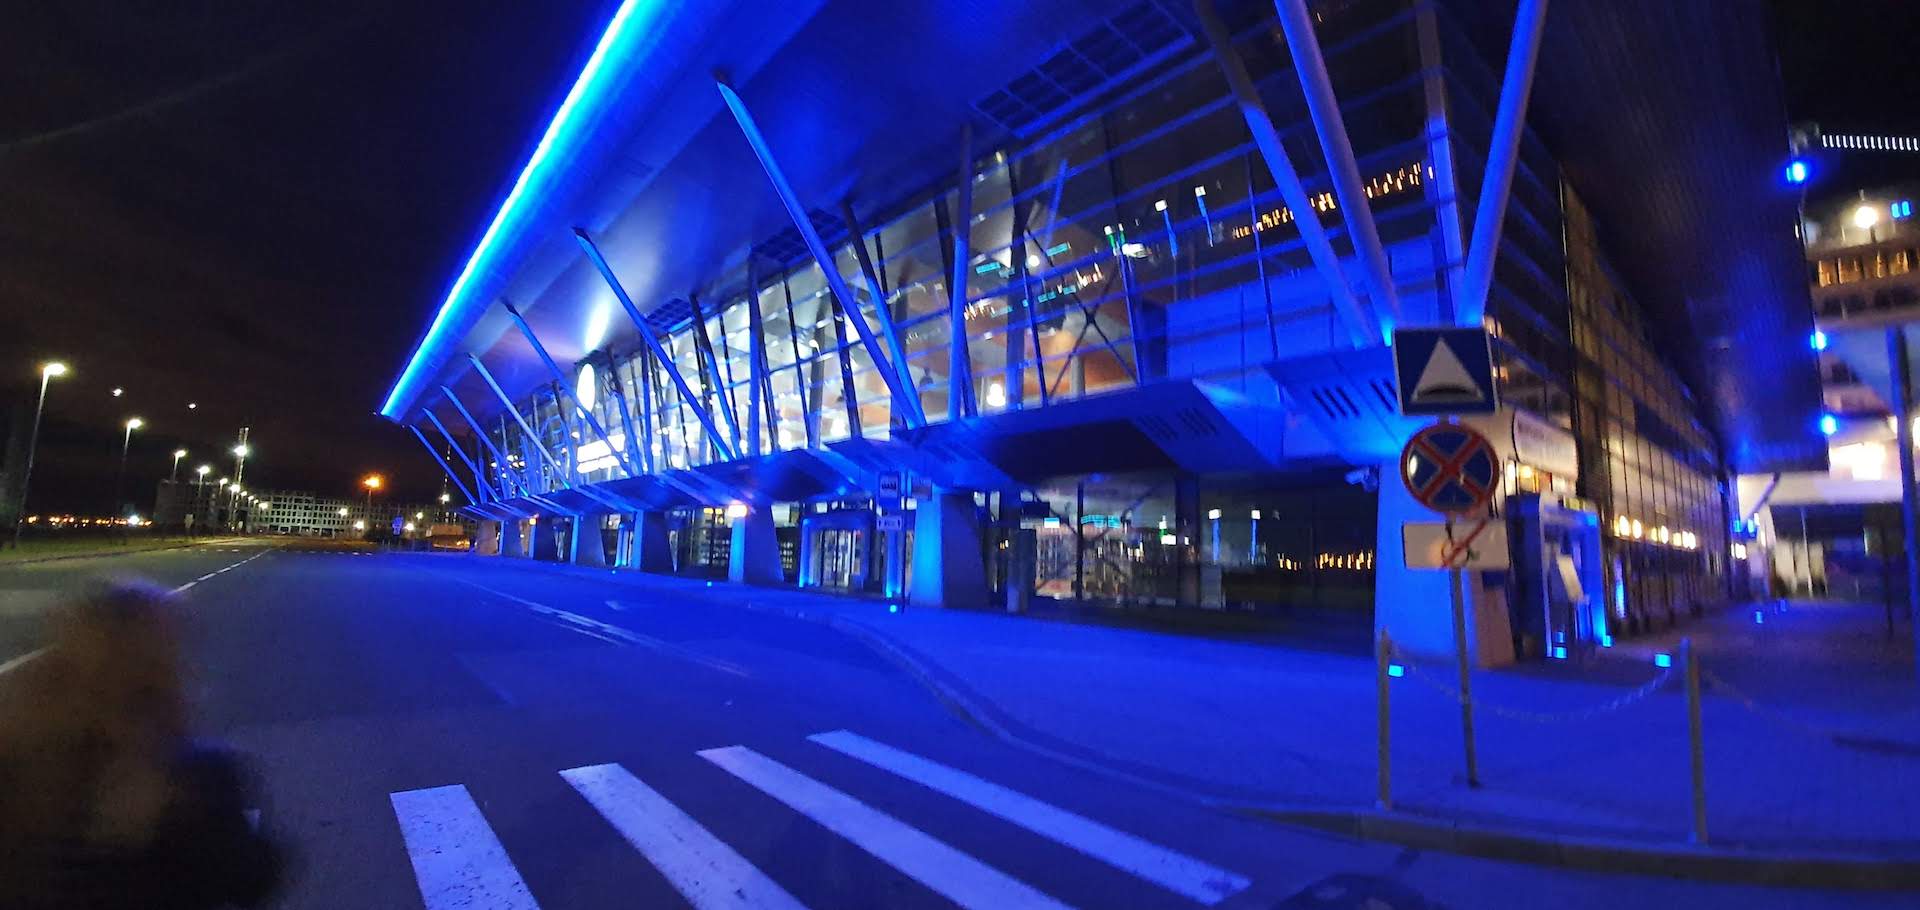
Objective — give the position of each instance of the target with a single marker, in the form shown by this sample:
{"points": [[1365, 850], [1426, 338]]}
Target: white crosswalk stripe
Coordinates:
{"points": [[460, 863], [957, 876], [708, 873], [457, 860], [1172, 870]]}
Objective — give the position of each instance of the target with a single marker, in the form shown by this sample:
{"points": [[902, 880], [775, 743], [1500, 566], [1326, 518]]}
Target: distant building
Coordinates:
{"points": [[1837, 532], [207, 507]]}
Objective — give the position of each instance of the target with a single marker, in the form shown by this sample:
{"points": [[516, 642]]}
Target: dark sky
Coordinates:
{"points": [[252, 206], [1853, 66], [255, 206]]}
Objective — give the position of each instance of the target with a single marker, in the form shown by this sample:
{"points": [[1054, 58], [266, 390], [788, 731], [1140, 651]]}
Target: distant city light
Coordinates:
{"points": [[1866, 216], [134, 423], [1829, 424], [372, 482], [343, 511], [736, 510], [192, 405], [1797, 171], [203, 470], [444, 499], [179, 453], [242, 450], [118, 392], [1901, 209], [1818, 340], [54, 368], [359, 525]]}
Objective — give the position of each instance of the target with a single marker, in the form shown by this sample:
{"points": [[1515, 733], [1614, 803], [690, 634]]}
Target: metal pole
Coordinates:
{"points": [[1909, 497], [120, 475], [1696, 753], [906, 399], [1363, 324], [624, 457], [1466, 677], [1383, 660], [33, 443], [471, 499], [1503, 156], [1324, 107], [959, 360]]}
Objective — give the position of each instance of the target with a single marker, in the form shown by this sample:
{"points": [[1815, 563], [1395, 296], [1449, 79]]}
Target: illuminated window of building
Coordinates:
{"points": [[1879, 264], [1825, 271], [1900, 263], [1849, 269]]}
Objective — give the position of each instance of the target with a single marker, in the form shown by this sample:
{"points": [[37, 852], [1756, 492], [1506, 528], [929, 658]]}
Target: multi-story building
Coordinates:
{"points": [[1015, 303], [1837, 531], [209, 507]]}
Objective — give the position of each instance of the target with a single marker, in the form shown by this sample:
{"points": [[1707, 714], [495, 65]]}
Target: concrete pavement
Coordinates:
{"points": [[440, 731]]}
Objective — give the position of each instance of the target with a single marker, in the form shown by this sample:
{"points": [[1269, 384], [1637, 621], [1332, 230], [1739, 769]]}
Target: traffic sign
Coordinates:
{"points": [[894, 522], [889, 485], [1466, 545], [399, 524], [1444, 371], [1449, 468]]}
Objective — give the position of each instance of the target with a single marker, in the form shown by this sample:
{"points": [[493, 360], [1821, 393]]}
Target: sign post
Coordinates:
{"points": [[1451, 469]]}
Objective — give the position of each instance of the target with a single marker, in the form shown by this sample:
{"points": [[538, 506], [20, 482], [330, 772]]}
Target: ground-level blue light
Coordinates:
{"points": [[1818, 340], [893, 608], [1901, 209], [1396, 671], [1663, 660], [1829, 424], [1606, 641], [1796, 171], [1559, 653], [1759, 618]]}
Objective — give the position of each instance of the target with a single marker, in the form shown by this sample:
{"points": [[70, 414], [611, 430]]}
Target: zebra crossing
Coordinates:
{"points": [[460, 862]]}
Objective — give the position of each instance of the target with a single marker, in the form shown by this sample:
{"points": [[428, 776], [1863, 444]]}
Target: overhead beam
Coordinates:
{"points": [[480, 481], [499, 457], [905, 400], [959, 358], [652, 340], [565, 473], [562, 387], [471, 499], [1503, 157], [1337, 145], [1363, 325], [881, 310]]}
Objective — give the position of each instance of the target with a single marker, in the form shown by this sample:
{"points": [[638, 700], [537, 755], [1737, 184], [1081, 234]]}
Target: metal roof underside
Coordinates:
{"points": [[1668, 117]]}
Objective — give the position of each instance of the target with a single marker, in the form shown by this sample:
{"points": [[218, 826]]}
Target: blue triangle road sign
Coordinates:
{"points": [[1442, 371]]}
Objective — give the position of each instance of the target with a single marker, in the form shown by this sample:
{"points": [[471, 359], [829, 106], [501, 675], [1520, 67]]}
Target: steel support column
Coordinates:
{"points": [[562, 387], [905, 399], [959, 359], [651, 340], [619, 392], [880, 309], [1503, 156], [471, 499], [1363, 325], [533, 438], [1324, 107], [499, 457], [1902, 364], [480, 481]]}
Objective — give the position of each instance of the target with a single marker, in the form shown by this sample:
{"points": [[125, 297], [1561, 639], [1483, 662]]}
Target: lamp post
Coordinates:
{"points": [[47, 372], [372, 483], [199, 488], [120, 476], [177, 455]]}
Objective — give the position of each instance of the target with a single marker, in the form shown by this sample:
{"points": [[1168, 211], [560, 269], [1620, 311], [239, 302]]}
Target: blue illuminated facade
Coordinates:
{"points": [[1095, 360]]}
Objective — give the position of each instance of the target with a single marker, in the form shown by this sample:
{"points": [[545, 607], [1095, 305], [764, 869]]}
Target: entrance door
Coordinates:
{"points": [[840, 558]]}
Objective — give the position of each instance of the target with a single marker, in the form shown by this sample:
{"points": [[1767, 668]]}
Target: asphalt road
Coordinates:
{"points": [[446, 731]]}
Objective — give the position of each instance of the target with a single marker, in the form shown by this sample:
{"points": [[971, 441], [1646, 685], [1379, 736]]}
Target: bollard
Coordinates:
{"points": [[1690, 668], [1383, 658]]}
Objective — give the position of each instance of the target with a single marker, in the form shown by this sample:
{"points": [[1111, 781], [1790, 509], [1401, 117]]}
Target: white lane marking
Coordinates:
{"points": [[587, 625], [1175, 871], [457, 861], [708, 873], [22, 660], [617, 605], [960, 878], [186, 587]]}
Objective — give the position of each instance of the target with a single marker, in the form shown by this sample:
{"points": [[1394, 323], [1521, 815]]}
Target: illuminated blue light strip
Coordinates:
{"points": [[556, 131]]}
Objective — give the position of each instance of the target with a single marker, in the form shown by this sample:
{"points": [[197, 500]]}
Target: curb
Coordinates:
{"points": [[1725, 864], [100, 553]]}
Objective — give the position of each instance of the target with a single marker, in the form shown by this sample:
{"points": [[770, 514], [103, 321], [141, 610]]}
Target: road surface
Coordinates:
{"points": [[447, 731]]}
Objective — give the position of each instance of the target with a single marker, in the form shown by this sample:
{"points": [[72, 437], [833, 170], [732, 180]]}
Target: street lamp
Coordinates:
{"points": [[126, 442], [177, 455], [47, 372], [372, 483]]}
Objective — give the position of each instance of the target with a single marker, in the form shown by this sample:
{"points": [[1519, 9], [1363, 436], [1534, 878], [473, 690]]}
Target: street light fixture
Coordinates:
{"points": [[48, 371], [177, 455], [126, 442], [372, 482]]}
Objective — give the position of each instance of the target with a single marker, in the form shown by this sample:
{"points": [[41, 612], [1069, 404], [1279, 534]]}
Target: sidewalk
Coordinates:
{"points": [[1824, 762]]}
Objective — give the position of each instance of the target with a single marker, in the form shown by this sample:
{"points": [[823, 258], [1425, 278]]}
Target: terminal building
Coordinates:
{"points": [[976, 305]]}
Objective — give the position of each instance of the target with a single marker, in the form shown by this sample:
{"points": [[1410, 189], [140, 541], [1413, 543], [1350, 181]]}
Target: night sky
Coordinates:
{"points": [[256, 207]]}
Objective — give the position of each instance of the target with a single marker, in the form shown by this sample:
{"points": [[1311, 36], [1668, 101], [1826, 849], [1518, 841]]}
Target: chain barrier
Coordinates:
{"points": [[1771, 715], [1453, 694]]}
